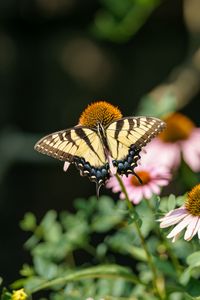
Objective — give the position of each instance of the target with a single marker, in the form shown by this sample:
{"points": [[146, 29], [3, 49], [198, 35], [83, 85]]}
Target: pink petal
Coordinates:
{"points": [[161, 182], [66, 166], [176, 212], [162, 170], [122, 196], [113, 184], [136, 196], [191, 156], [177, 229], [175, 238], [191, 228], [155, 188], [197, 227], [169, 221], [147, 192], [163, 154]]}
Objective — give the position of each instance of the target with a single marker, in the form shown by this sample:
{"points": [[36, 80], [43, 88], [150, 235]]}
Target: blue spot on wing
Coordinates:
{"points": [[98, 175], [127, 165]]}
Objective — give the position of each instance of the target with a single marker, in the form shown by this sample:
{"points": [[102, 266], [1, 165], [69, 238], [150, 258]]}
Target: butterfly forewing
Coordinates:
{"points": [[81, 146], [127, 136]]}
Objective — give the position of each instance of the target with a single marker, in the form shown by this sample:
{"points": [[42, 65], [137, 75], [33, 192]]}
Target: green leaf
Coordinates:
{"points": [[101, 250], [174, 288], [86, 206], [107, 216], [6, 295], [144, 213], [182, 248], [185, 276], [29, 222], [52, 230], [32, 283], [152, 107], [45, 268], [180, 200], [188, 297], [194, 259], [27, 270], [105, 223], [171, 202], [193, 288], [187, 176], [134, 217], [31, 242], [118, 287], [106, 205], [119, 20], [19, 283], [137, 252], [165, 267]]}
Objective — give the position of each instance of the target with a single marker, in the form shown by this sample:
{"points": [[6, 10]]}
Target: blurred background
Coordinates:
{"points": [[56, 57]]}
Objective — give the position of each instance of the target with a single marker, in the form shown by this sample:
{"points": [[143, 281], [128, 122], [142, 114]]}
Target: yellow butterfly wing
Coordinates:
{"points": [[127, 136], [80, 146]]}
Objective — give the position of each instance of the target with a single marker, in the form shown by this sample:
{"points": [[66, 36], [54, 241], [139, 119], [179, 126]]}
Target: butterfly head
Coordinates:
{"points": [[100, 112]]}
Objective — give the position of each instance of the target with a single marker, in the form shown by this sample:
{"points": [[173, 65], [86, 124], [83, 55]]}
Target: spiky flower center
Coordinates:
{"points": [[144, 176], [99, 112], [193, 201], [179, 127]]}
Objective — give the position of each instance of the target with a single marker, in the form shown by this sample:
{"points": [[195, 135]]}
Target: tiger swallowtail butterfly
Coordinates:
{"points": [[103, 142]]}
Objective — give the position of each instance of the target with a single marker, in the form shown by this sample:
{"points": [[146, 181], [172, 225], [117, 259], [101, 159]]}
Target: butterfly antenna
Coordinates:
{"points": [[138, 178], [98, 186]]}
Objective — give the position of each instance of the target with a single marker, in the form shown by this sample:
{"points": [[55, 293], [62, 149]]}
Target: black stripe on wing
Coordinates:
{"points": [[55, 144], [131, 133], [142, 129], [80, 132]]}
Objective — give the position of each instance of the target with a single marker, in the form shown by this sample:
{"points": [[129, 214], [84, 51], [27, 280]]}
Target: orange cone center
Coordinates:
{"points": [[145, 177], [99, 112], [179, 127], [193, 201]]}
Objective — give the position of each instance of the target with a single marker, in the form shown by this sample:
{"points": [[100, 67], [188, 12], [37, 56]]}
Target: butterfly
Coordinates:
{"points": [[100, 150]]}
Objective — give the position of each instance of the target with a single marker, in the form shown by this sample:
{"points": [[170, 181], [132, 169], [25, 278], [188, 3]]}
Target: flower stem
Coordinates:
{"points": [[173, 257], [106, 271], [142, 239]]}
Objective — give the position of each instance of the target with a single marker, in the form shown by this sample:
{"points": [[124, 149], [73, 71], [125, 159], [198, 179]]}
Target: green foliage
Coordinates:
{"points": [[150, 106], [6, 295], [29, 222], [118, 20], [187, 177], [58, 237], [193, 269]]}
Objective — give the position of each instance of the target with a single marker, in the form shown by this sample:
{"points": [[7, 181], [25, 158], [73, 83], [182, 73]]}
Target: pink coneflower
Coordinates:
{"points": [[153, 178], [187, 216], [180, 138]]}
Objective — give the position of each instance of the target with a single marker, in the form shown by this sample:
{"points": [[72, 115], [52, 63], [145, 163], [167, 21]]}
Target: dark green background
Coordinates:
{"points": [[51, 68]]}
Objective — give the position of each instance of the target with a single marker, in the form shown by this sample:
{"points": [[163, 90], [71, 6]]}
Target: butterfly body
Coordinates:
{"points": [[102, 146]]}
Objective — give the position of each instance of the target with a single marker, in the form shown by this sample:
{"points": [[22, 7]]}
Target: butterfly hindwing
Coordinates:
{"points": [[127, 136], [81, 146]]}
